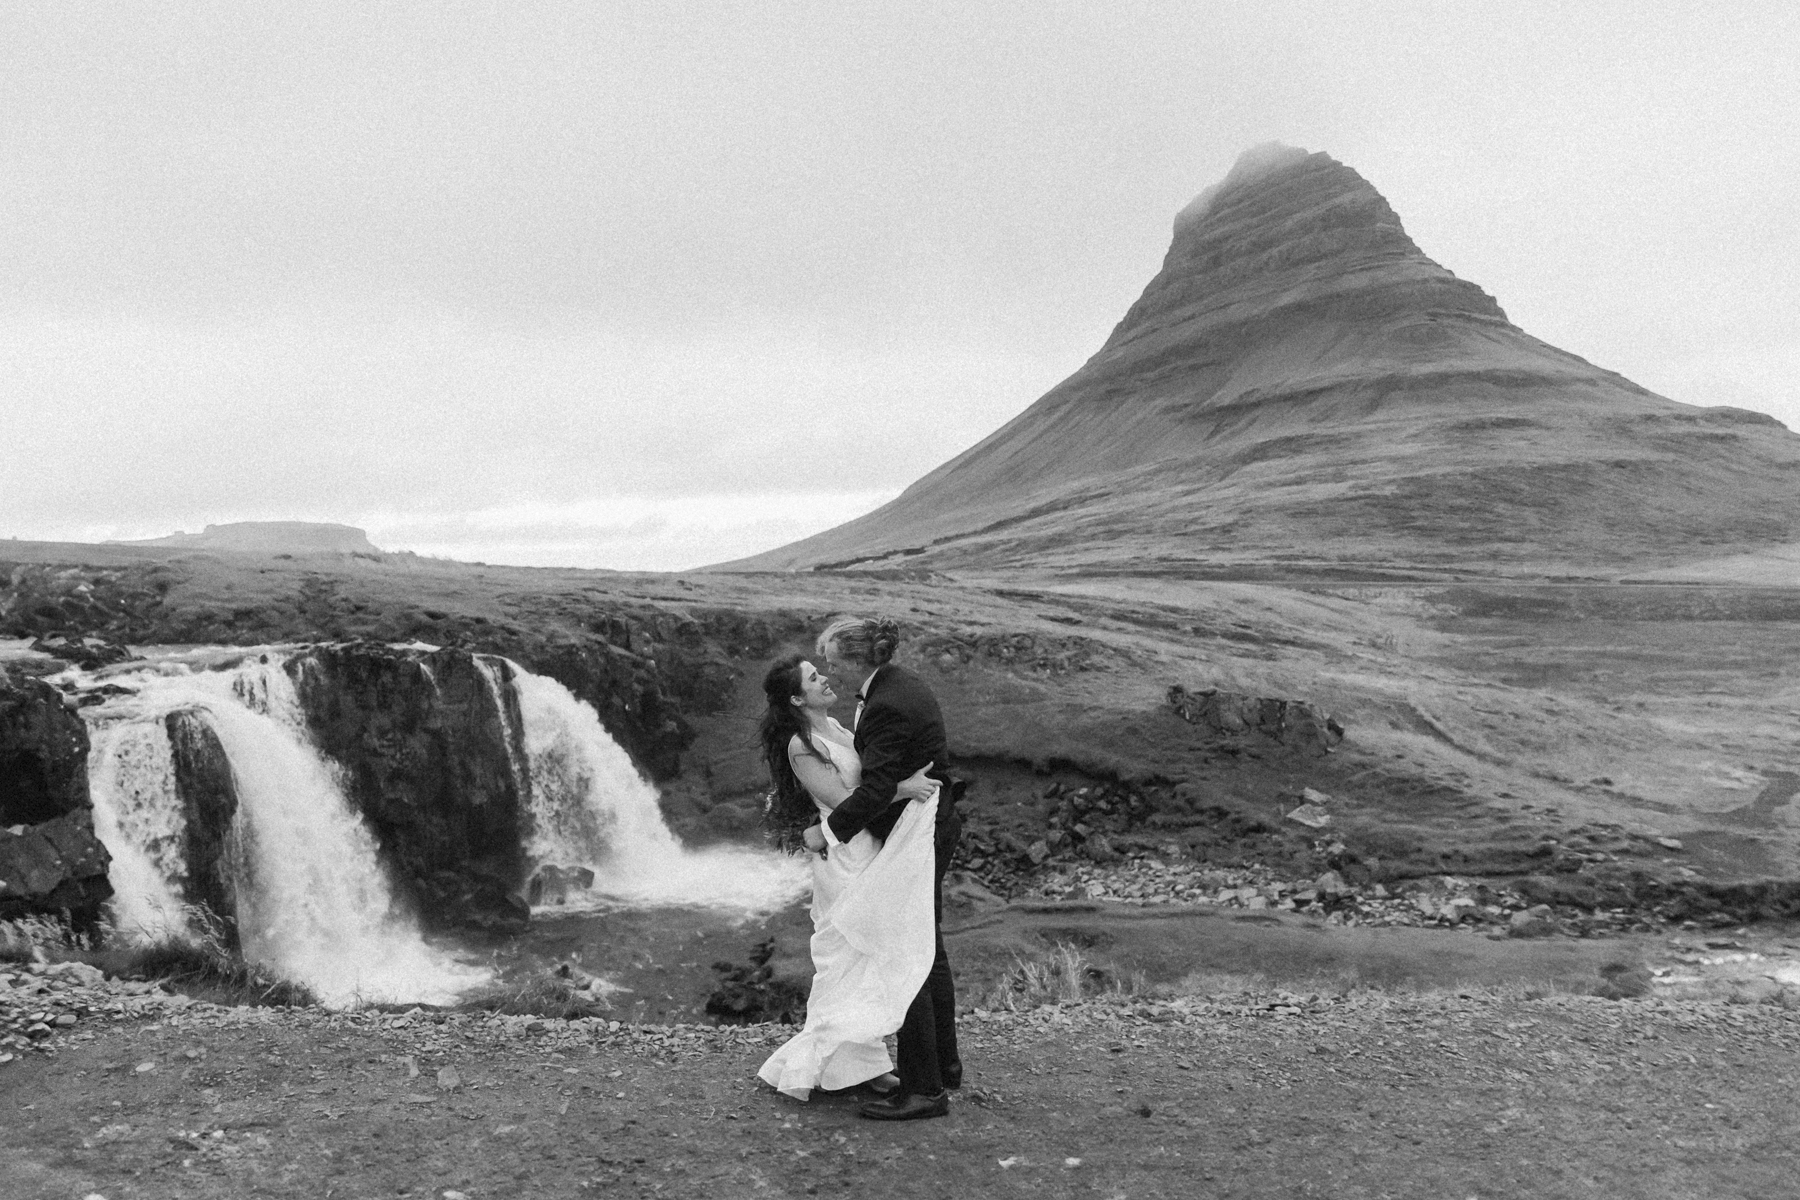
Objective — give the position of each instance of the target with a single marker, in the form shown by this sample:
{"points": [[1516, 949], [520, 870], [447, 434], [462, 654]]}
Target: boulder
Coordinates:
{"points": [[55, 866], [1100, 849], [1626, 981], [43, 754], [1233, 714], [1310, 815], [1531, 922], [50, 860], [1331, 885], [428, 759], [552, 884], [209, 799], [85, 652]]}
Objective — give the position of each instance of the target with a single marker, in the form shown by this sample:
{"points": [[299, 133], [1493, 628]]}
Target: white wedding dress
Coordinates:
{"points": [[872, 945]]}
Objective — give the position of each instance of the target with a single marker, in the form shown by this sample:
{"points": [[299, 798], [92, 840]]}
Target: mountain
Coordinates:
{"points": [[1301, 386], [271, 537]]}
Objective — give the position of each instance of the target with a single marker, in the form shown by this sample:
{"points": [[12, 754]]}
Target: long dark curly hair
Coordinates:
{"points": [[788, 809]]}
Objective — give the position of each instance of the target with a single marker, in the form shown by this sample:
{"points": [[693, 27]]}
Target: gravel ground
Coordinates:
{"points": [[1367, 1095]]}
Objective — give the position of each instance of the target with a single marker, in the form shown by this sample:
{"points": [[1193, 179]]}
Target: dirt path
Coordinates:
{"points": [[1366, 1097]]}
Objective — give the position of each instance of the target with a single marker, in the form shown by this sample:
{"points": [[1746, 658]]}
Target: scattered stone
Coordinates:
{"points": [[448, 1080], [1669, 843], [1626, 981], [1292, 722], [1532, 922], [1313, 816], [1099, 848]]}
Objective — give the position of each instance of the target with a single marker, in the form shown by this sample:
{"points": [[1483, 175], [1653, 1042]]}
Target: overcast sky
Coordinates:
{"points": [[653, 285]]}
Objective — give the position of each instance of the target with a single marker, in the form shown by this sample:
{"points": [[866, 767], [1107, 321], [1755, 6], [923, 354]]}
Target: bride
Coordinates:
{"points": [[873, 933]]}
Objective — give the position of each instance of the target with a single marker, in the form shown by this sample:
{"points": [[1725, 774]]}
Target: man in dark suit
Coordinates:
{"points": [[899, 729]]}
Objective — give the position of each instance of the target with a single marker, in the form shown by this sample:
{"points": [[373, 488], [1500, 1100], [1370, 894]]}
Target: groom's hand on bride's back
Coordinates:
{"points": [[918, 785], [814, 837]]}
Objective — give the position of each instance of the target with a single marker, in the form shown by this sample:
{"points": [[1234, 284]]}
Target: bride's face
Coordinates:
{"points": [[815, 689]]}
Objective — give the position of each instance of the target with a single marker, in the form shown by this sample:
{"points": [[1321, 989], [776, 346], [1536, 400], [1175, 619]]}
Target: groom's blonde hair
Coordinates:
{"points": [[870, 640]]}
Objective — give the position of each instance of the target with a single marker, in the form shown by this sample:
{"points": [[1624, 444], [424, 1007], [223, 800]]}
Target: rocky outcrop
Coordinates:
{"points": [[86, 652], [1301, 387], [1232, 714], [639, 666], [43, 754], [55, 866], [428, 753], [209, 802], [50, 860], [270, 537], [627, 690]]}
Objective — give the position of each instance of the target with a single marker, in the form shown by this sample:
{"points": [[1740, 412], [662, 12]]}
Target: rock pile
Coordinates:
{"points": [[1438, 900], [1233, 714], [1082, 823], [42, 1002]]}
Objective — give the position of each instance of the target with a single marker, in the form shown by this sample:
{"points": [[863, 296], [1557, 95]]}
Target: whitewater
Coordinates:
{"points": [[314, 903]]}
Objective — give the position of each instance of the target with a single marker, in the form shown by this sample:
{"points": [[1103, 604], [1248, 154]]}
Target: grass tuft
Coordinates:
{"points": [[1063, 975], [203, 964], [37, 939], [546, 995]]}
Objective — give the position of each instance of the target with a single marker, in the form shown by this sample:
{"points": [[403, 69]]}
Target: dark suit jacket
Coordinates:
{"points": [[902, 729]]}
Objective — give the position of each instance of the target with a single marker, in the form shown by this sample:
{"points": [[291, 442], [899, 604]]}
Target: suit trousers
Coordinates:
{"points": [[927, 1041]]}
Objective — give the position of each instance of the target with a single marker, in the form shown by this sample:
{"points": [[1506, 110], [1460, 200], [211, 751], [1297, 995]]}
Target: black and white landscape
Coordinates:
{"points": [[1380, 720]]}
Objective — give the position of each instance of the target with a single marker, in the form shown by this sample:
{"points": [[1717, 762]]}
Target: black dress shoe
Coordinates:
{"points": [[953, 1076], [907, 1106]]}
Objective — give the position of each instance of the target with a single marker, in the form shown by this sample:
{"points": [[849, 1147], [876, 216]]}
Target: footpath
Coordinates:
{"points": [[1478, 1094]]}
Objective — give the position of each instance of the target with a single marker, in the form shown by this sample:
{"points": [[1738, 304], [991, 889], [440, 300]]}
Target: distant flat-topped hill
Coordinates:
{"points": [[1302, 385], [270, 537]]}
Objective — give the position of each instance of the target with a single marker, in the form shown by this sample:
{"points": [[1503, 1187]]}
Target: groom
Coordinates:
{"points": [[899, 729]]}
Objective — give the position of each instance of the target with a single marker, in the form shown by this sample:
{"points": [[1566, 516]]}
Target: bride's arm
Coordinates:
{"points": [[818, 777]]}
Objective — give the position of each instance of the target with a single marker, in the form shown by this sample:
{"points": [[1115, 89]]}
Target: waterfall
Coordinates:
{"points": [[496, 686], [591, 808], [314, 904], [137, 815]]}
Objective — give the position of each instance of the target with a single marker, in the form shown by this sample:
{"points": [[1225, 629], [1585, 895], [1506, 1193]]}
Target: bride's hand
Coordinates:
{"points": [[918, 785]]}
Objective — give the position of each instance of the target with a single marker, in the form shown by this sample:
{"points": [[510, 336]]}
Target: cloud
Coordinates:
{"points": [[641, 533], [470, 434], [1250, 166]]}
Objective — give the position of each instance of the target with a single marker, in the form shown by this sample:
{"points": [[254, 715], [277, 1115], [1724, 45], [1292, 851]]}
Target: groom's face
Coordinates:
{"points": [[847, 671]]}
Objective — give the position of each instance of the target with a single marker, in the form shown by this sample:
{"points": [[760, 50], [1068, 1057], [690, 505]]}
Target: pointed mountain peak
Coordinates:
{"points": [[1290, 229], [1301, 384], [1252, 165]]}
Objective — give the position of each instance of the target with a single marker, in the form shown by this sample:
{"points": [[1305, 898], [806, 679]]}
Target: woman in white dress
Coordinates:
{"points": [[873, 932]]}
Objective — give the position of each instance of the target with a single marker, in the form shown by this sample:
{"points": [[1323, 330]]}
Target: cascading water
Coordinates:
{"points": [[137, 815], [313, 902], [591, 808]]}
